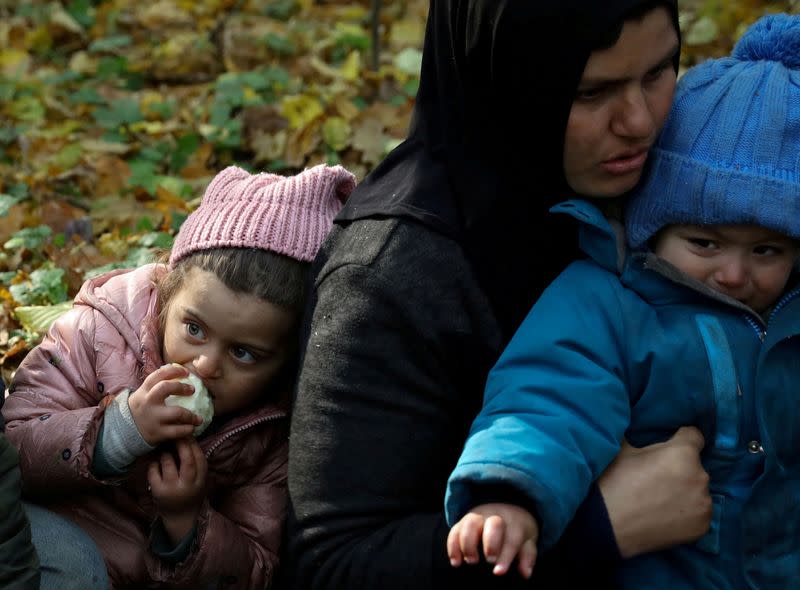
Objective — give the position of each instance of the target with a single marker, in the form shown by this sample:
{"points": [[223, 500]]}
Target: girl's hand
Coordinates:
{"points": [[506, 531], [157, 422], [179, 488]]}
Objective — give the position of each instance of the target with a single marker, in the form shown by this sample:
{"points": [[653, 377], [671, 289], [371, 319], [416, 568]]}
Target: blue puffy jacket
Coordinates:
{"points": [[623, 345]]}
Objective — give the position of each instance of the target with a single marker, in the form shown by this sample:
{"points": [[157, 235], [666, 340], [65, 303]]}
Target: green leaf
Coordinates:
{"points": [[144, 224], [46, 285], [186, 146], [27, 108], [29, 238], [110, 43], [19, 190], [86, 95], [7, 277], [6, 202], [122, 112], [280, 44], [112, 67], [156, 240], [82, 11], [68, 156], [39, 318], [143, 173], [178, 217], [281, 9], [164, 110]]}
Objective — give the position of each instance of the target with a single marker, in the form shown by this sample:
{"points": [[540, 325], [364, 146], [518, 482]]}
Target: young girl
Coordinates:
{"points": [[97, 442]]}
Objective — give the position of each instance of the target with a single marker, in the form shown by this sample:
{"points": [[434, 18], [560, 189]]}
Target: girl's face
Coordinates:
{"points": [[236, 343], [621, 104]]}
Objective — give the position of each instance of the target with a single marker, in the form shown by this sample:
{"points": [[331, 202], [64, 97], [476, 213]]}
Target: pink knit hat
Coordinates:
{"points": [[288, 215]]}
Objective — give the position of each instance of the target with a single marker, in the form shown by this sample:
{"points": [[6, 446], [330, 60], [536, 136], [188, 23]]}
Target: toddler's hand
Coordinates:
{"points": [[179, 488], [507, 531], [157, 422]]}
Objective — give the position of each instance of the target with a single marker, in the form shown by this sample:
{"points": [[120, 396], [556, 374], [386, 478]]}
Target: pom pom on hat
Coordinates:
{"points": [[728, 153], [288, 215], [773, 38]]}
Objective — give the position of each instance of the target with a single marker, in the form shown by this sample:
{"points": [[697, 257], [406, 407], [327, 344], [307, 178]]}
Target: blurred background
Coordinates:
{"points": [[115, 114]]}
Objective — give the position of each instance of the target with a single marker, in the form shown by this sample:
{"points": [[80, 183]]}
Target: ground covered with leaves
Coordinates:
{"points": [[115, 114]]}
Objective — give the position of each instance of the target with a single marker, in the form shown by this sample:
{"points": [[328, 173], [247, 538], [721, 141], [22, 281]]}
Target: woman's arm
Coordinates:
{"points": [[378, 423]]}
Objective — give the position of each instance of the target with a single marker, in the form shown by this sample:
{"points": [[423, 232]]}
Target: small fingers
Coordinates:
{"points": [[154, 474], [169, 470], [527, 558], [178, 415], [494, 533], [470, 537], [163, 389], [188, 467], [454, 547], [165, 373]]}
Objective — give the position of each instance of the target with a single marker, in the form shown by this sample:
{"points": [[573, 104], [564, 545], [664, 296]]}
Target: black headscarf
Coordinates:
{"points": [[483, 161]]}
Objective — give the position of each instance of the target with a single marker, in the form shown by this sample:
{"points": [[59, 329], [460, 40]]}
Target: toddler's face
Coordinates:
{"points": [[236, 343], [746, 262]]}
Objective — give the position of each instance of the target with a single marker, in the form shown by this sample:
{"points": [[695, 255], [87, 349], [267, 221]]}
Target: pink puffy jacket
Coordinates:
{"points": [[108, 343]]}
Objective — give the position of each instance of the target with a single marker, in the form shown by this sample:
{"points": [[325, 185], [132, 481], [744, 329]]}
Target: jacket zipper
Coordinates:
{"points": [[758, 326], [239, 429]]}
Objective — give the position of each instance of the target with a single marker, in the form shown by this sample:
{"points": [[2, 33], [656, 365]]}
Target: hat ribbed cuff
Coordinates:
{"points": [[679, 190]]}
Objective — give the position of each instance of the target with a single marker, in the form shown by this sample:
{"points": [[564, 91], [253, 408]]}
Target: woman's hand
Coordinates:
{"points": [[179, 488], [658, 496], [157, 422]]}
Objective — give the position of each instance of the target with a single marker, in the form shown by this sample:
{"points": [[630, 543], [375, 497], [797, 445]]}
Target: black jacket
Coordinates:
{"points": [[399, 344]]}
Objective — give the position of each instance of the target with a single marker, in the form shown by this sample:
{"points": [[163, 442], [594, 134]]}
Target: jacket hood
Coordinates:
{"points": [[125, 296], [483, 159]]}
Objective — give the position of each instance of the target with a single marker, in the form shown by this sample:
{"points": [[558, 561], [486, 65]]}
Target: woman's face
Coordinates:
{"points": [[621, 104]]}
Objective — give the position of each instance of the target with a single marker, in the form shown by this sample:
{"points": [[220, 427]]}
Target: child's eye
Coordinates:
{"points": [[702, 243], [194, 330], [767, 250], [243, 355]]}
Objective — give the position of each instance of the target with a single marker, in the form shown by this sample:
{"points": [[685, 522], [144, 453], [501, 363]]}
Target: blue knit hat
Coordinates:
{"points": [[730, 150]]}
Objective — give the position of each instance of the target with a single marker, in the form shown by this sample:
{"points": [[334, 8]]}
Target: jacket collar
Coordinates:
{"points": [[657, 281]]}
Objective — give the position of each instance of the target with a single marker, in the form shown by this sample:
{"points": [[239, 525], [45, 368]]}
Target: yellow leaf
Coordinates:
{"points": [[269, 146], [371, 140], [154, 127], [82, 63], [106, 147], [351, 68], [346, 108], [14, 62], [300, 110], [336, 133], [407, 33]]}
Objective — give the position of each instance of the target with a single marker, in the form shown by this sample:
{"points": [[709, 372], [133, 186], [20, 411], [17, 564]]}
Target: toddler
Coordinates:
{"points": [[97, 442]]}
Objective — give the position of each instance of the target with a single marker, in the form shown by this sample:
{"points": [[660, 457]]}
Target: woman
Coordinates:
{"points": [[436, 259]]}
